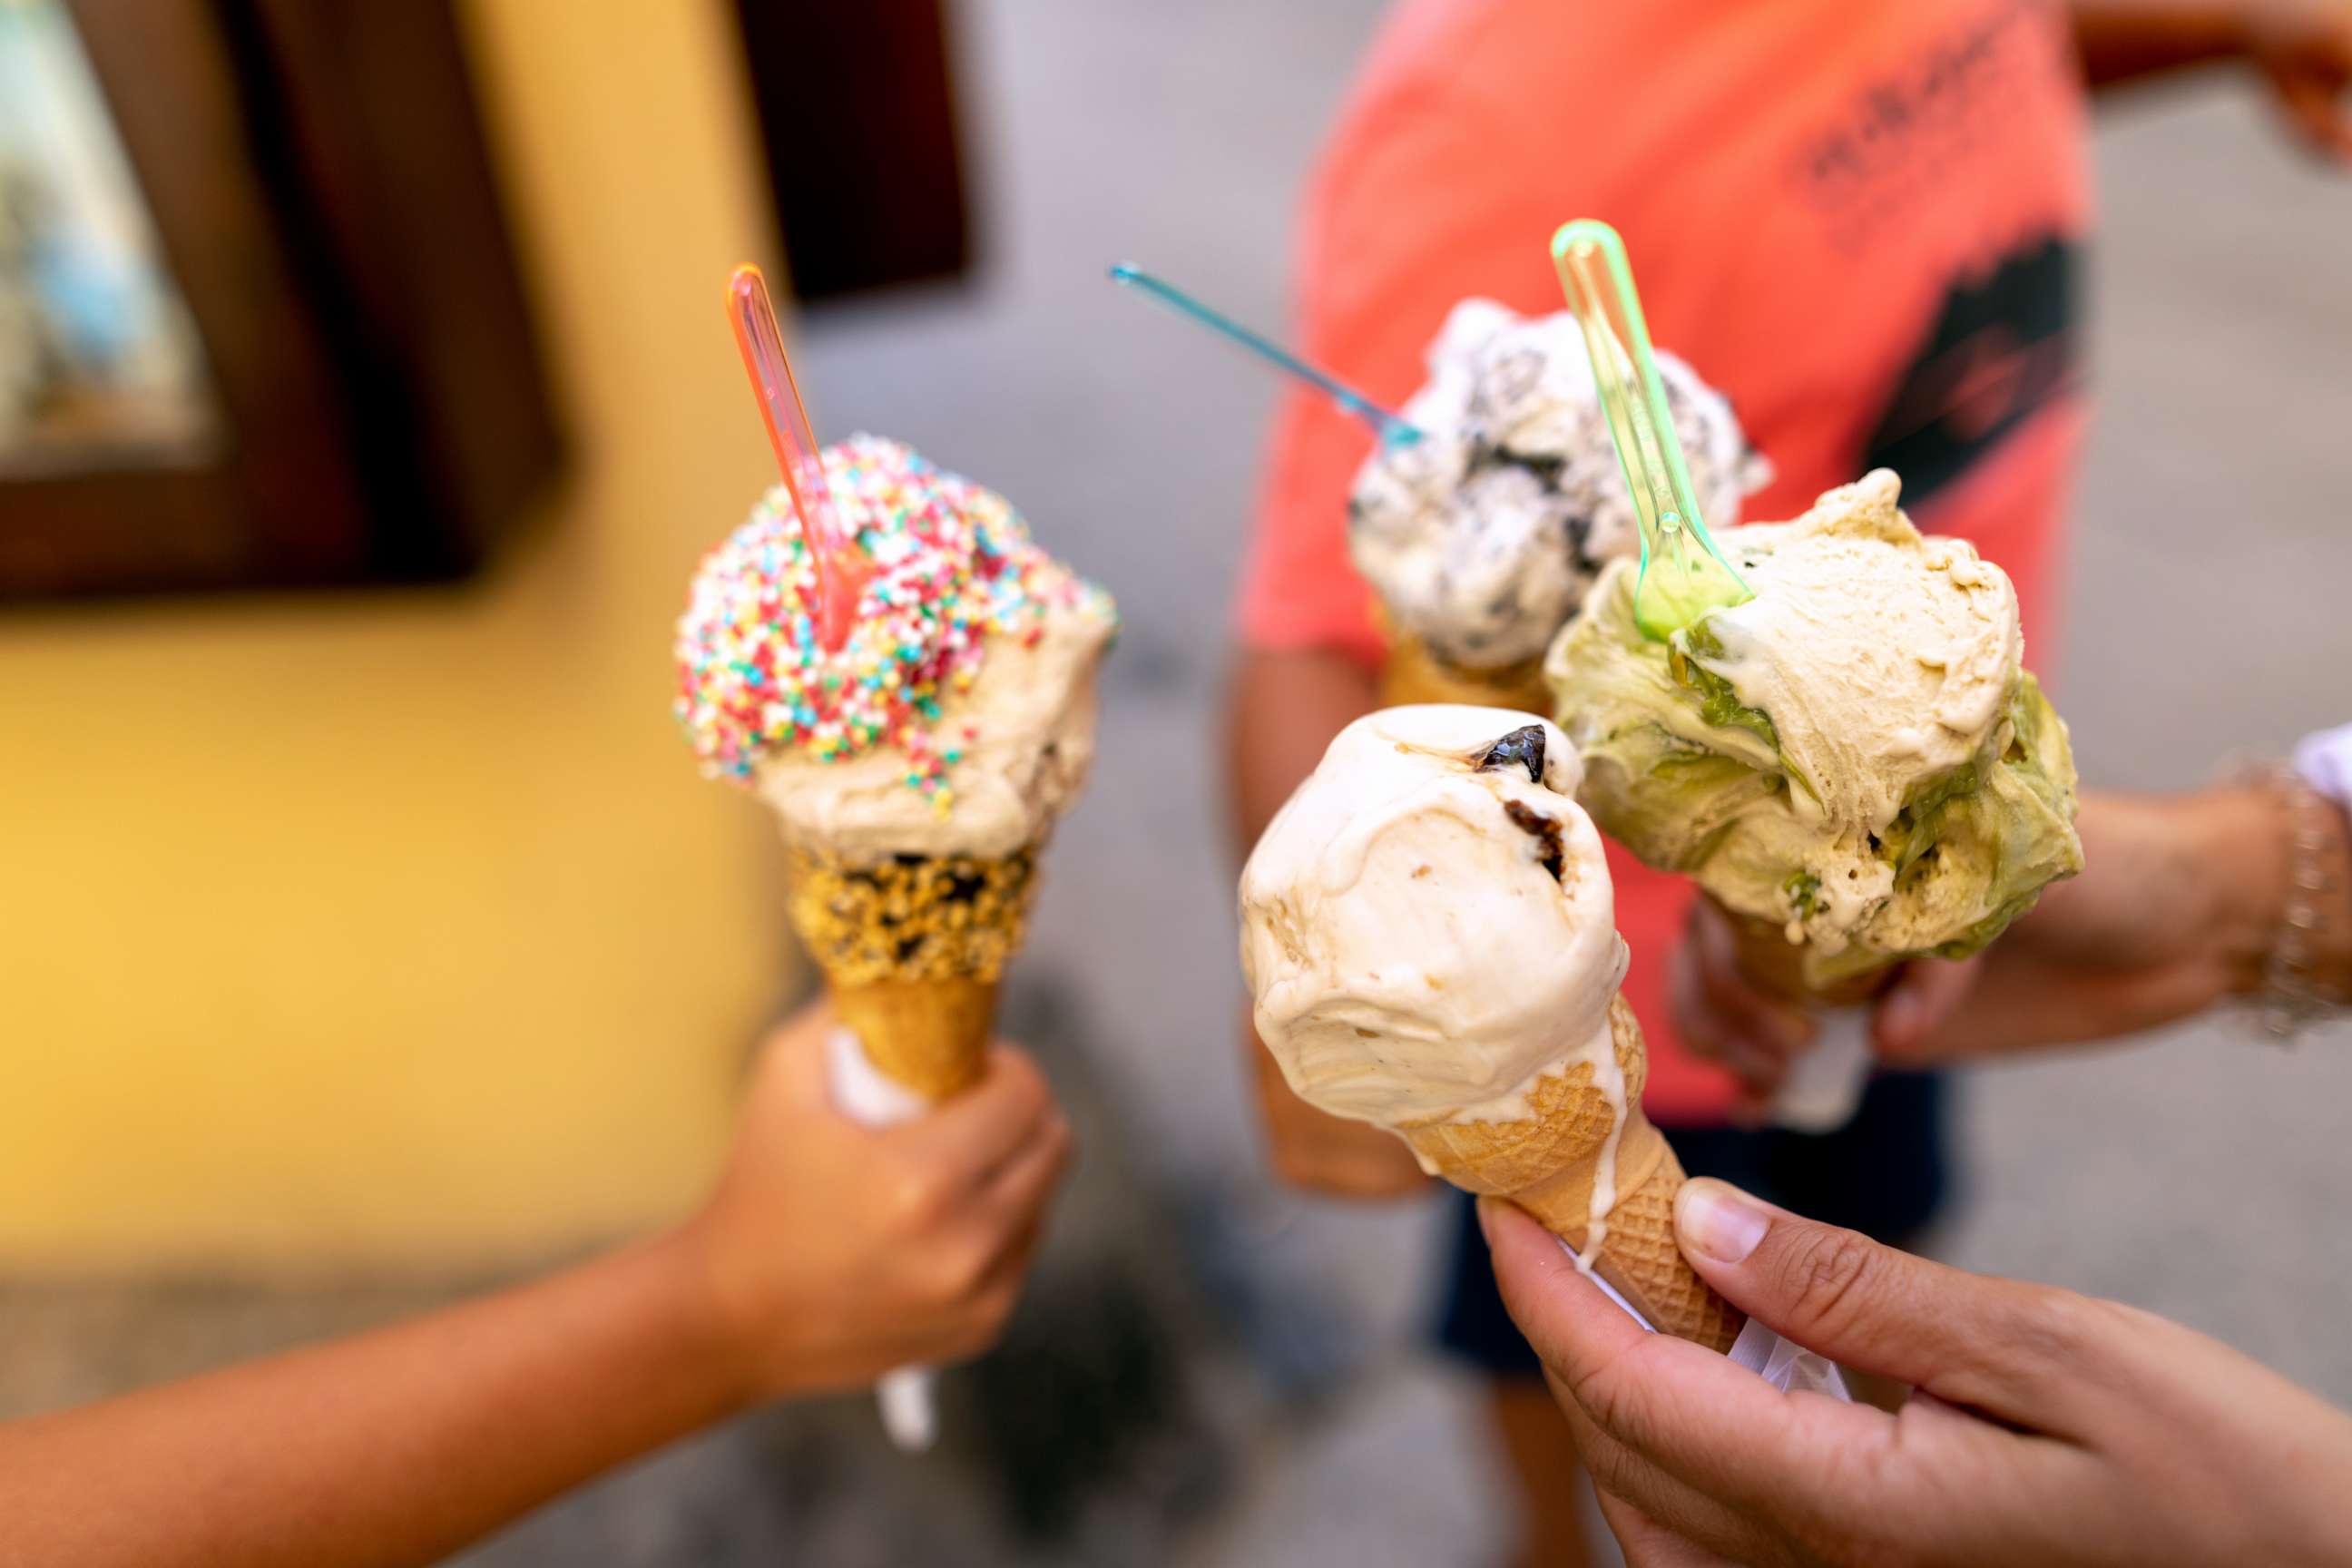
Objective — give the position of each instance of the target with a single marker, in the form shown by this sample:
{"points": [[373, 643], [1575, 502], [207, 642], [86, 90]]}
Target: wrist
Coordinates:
{"points": [[2243, 840], [2281, 860], [708, 1332], [2318, 916]]}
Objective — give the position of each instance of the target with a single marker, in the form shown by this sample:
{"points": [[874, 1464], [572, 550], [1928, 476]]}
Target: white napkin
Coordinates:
{"points": [[1784, 1364], [909, 1412], [1824, 1085]]}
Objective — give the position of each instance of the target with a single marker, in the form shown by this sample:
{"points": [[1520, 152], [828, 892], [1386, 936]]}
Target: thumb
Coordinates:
{"points": [[1986, 1344]]}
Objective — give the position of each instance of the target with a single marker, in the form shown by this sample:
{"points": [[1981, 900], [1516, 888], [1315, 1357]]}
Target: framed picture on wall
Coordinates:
{"points": [[260, 323]]}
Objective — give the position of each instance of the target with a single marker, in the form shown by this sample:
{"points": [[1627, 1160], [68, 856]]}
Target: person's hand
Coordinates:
{"points": [[1720, 1015], [2047, 1429], [1319, 1152], [2304, 48], [2178, 903], [833, 1252]]}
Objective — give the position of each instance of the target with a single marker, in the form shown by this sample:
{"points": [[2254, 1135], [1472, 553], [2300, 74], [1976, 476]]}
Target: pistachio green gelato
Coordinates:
{"points": [[1856, 754]]}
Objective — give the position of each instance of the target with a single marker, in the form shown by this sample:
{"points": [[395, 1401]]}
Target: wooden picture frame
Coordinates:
{"points": [[318, 180]]}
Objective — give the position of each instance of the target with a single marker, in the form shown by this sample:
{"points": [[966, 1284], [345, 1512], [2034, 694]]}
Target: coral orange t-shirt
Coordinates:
{"points": [[1861, 222]]}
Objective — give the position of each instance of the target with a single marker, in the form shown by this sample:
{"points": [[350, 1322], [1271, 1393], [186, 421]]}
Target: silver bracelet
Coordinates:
{"points": [[2292, 998]]}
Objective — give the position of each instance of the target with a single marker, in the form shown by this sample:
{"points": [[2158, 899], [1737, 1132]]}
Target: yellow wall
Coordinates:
{"points": [[400, 928]]}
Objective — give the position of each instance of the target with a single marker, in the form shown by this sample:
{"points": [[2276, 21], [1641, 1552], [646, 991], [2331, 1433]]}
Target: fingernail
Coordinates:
{"points": [[1718, 1221], [1485, 1227]]}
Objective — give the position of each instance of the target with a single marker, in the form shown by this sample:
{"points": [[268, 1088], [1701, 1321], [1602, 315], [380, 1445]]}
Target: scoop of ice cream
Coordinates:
{"points": [[1427, 926], [1856, 753], [957, 718], [1483, 537]]}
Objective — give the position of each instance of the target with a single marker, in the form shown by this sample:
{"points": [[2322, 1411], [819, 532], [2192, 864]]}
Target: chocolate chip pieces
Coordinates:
{"points": [[1544, 829], [1523, 746]]}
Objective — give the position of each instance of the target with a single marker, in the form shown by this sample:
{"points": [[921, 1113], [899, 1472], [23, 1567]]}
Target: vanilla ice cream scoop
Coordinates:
{"points": [[1427, 926], [1856, 753], [1483, 537]]}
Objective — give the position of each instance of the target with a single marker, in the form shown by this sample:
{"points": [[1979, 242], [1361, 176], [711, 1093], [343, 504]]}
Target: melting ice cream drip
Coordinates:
{"points": [[1611, 1076]]}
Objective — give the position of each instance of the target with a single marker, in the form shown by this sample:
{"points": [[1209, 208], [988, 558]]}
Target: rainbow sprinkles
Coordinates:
{"points": [[953, 567]]}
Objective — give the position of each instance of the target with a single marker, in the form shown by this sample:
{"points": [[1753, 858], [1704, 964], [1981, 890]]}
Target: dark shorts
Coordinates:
{"points": [[1883, 1173]]}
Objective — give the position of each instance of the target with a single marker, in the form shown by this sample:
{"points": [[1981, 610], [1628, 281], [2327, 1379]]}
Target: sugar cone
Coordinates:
{"points": [[927, 1035], [1411, 673], [1775, 965], [912, 948], [1414, 672], [1548, 1163]]}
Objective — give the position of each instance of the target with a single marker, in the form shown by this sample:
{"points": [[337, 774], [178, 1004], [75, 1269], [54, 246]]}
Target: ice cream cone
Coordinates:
{"points": [[1550, 1164], [912, 948], [1822, 1086], [1775, 965], [1413, 673]]}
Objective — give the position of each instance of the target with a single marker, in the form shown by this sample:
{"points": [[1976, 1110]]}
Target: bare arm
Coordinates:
{"points": [[2126, 40], [2181, 899], [2302, 48], [827, 1253], [395, 1447], [1282, 710]]}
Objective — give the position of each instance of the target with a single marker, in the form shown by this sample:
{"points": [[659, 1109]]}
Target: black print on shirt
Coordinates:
{"points": [[2000, 349]]}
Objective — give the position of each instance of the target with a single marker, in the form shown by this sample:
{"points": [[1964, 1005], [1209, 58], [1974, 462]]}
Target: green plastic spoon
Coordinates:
{"points": [[1684, 576]]}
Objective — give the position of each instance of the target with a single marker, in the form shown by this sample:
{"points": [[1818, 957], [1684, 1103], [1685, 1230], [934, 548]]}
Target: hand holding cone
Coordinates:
{"points": [[883, 653]]}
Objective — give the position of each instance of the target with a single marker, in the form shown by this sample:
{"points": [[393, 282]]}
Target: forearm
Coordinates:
{"points": [[395, 1447], [2180, 905], [1284, 710], [2126, 40]]}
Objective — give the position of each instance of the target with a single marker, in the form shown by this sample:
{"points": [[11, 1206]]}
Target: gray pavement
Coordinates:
{"points": [[1210, 1370]]}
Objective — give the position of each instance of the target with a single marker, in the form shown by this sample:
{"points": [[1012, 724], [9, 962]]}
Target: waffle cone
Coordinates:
{"points": [[1413, 673], [1775, 965], [1548, 1163], [912, 948]]}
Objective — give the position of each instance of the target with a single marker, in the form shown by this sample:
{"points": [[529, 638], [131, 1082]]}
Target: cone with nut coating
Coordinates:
{"points": [[1549, 1164], [912, 948]]}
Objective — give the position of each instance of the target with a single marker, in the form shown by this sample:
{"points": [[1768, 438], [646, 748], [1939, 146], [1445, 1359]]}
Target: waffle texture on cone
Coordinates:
{"points": [[1569, 1122], [911, 918], [1550, 1163], [929, 1036], [1641, 1259]]}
